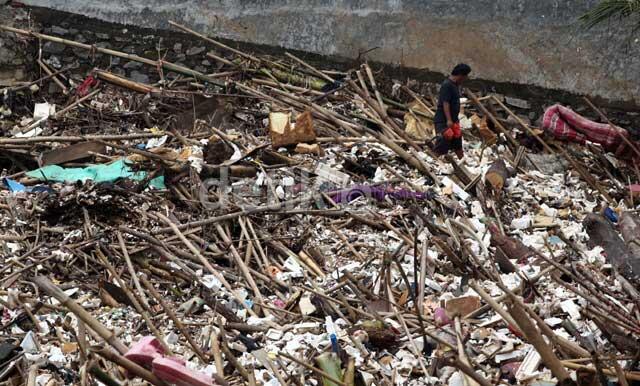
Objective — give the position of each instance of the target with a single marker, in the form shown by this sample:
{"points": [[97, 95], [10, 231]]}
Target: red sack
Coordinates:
{"points": [[448, 134], [457, 131], [453, 132]]}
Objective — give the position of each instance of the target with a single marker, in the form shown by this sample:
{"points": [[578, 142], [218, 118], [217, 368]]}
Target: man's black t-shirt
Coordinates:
{"points": [[449, 92]]}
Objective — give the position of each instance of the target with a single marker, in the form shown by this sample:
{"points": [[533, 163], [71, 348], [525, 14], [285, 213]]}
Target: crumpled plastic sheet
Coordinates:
{"points": [[98, 173]]}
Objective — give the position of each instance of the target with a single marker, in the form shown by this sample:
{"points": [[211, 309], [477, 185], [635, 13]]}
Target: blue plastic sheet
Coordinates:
{"points": [[15, 187]]}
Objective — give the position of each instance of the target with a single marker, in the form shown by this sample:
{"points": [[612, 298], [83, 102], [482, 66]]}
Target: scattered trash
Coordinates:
{"points": [[264, 221], [72, 153], [306, 148], [376, 193], [417, 123], [327, 173], [284, 133], [43, 111]]}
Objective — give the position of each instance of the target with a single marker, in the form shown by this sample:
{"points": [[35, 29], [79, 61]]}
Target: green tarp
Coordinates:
{"points": [[97, 173]]}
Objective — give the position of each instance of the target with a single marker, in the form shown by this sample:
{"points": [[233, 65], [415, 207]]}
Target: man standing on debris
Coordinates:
{"points": [[446, 119]]}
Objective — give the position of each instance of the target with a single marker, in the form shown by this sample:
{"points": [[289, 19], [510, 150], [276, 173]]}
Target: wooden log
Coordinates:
{"points": [[497, 175], [231, 170], [601, 232]]}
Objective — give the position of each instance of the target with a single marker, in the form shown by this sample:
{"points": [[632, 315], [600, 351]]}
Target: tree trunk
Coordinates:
{"points": [[602, 233], [497, 175]]}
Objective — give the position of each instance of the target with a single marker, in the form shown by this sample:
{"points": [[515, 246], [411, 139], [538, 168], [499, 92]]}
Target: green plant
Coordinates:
{"points": [[609, 9]]}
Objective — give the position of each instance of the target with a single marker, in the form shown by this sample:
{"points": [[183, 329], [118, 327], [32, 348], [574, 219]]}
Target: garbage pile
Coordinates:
{"points": [[274, 223]]}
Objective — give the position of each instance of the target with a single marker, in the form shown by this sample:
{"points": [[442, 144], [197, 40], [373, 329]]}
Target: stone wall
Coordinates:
{"points": [[177, 48], [532, 42], [15, 53]]}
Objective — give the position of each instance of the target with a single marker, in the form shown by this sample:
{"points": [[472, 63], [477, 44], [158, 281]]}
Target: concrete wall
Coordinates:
{"points": [[522, 41]]}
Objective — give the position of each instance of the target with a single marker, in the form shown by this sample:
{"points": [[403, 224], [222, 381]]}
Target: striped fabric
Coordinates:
{"points": [[565, 124]]}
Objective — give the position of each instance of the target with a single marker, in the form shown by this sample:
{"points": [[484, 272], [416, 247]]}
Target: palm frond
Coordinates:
{"points": [[609, 9]]}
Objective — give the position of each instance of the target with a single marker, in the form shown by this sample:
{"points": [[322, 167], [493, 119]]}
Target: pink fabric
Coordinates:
{"points": [[565, 124], [145, 351], [149, 353], [173, 372]]}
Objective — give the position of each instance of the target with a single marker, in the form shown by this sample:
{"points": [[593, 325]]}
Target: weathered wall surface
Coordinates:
{"points": [[522, 41], [14, 52]]}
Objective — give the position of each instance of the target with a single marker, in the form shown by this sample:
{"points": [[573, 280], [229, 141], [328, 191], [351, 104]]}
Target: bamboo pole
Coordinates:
{"points": [[46, 69], [629, 375], [52, 290], [311, 68], [419, 100], [604, 117], [206, 263], [130, 366], [374, 85], [145, 314], [243, 267], [215, 42], [61, 112], [221, 60], [29, 84], [534, 337], [154, 293], [117, 137], [132, 271], [314, 369], [495, 121]]}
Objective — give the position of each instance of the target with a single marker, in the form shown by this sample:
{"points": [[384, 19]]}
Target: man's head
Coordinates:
{"points": [[460, 73]]}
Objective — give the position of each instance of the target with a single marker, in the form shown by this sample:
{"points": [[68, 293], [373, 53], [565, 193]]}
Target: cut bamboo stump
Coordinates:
{"points": [[497, 175]]}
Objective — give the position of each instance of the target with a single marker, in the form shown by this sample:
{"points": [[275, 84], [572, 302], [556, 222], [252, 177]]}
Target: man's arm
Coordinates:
{"points": [[447, 113]]}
